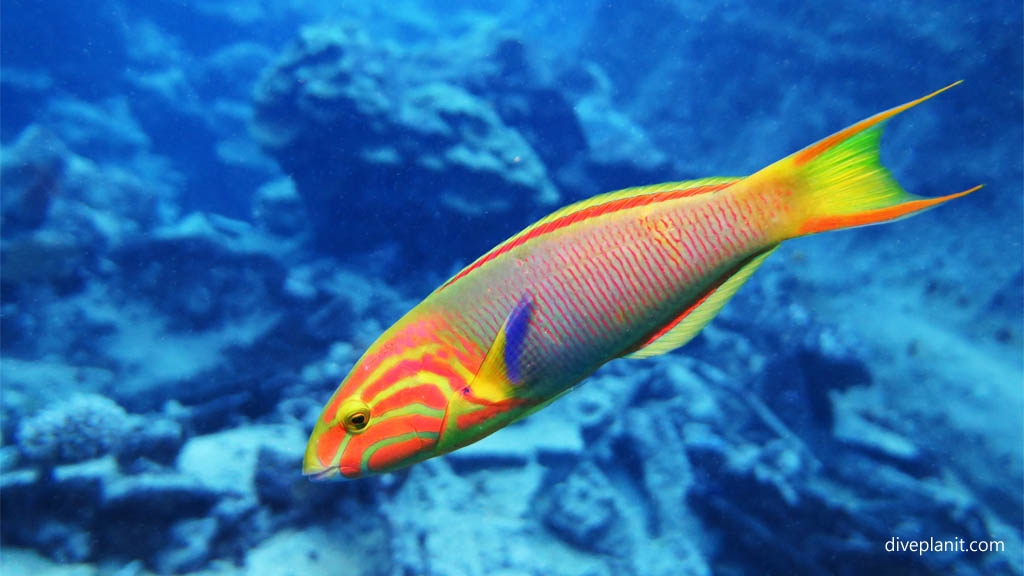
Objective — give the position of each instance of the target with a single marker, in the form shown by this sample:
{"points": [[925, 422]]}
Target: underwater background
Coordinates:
{"points": [[211, 209]]}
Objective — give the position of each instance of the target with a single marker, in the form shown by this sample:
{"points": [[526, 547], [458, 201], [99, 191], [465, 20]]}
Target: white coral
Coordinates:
{"points": [[83, 427]]}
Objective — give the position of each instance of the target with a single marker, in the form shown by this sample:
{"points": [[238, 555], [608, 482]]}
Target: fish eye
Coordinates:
{"points": [[355, 416]]}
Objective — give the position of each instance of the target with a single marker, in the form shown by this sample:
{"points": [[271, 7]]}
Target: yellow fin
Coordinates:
{"points": [[694, 319], [491, 381], [840, 182], [501, 369]]}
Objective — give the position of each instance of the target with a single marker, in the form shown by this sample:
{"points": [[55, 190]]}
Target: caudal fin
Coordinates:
{"points": [[839, 182]]}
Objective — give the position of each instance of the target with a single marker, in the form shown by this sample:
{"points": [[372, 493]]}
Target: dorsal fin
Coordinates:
{"points": [[597, 206], [688, 324]]}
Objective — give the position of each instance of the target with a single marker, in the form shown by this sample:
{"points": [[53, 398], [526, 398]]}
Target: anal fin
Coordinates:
{"points": [[691, 321]]}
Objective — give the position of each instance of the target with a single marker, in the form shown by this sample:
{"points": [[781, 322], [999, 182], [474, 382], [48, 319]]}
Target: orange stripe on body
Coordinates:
{"points": [[412, 341], [426, 394], [393, 454], [408, 368], [328, 443], [357, 446], [481, 416], [412, 336]]}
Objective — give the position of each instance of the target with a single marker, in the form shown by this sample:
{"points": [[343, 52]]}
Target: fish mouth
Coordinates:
{"points": [[314, 470], [331, 473], [323, 475]]}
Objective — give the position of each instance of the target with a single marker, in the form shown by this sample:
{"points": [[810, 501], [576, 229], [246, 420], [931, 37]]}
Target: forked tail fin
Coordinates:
{"points": [[839, 182]]}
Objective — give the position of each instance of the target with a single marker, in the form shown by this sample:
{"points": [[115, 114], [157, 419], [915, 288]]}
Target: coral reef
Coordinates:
{"points": [[393, 126], [82, 428]]}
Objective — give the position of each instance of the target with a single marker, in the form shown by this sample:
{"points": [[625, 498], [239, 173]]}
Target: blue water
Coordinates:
{"points": [[210, 210]]}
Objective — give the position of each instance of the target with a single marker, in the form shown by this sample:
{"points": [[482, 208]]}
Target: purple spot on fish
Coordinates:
{"points": [[516, 328]]}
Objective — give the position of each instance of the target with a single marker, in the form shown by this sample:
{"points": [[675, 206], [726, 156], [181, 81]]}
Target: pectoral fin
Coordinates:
{"points": [[692, 320], [502, 369]]}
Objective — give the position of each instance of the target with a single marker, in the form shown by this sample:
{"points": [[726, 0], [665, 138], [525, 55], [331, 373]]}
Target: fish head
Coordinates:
{"points": [[361, 434], [390, 410]]}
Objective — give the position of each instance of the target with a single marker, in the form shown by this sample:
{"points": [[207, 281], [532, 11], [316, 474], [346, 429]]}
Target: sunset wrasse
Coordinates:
{"points": [[633, 273]]}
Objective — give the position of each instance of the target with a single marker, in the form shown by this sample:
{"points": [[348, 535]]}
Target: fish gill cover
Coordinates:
{"points": [[210, 210]]}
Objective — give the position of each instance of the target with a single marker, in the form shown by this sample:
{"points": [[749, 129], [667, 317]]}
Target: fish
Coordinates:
{"points": [[629, 274]]}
